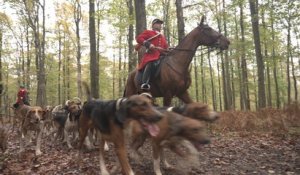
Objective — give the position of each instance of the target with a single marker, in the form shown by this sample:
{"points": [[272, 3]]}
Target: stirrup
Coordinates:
{"points": [[145, 86]]}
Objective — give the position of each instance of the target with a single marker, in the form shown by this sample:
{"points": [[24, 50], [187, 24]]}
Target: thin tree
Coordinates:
{"points": [[244, 75], [94, 62], [132, 61], [32, 18], [77, 19], [275, 77], [259, 58], [140, 16], [180, 20]]}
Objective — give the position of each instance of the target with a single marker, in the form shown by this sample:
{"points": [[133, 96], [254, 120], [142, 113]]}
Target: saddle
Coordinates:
{"points": [[155, 71]]}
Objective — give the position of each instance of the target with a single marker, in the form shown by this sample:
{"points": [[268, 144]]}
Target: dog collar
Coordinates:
{"points": [[148, 95], [119, 102]]}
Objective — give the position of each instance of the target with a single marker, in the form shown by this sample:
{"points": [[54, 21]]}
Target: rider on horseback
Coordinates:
{"points": [[156, 45]]}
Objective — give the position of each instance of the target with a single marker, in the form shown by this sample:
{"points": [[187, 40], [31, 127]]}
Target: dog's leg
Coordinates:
{"points": [[83, 131], [38, 142], [89, 140], [103, 169], [67, 128], [137, 142], [66, 138], [156, 150], [27, 138], [122, 156], [165, 162], [99, 138], [21, 140]]}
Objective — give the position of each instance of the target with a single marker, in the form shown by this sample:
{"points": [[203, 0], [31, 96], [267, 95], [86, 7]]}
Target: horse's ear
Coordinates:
{"points": [[203, 18]]}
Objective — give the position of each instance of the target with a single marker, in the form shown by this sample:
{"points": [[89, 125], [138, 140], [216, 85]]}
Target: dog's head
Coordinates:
{"points": [[73, 107], [192, 130], [48, 109], [197, 111], [139, 107], [35, 114]]}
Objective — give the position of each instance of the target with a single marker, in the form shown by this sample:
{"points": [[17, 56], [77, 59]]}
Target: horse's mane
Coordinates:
{"points": [[181, 42]]}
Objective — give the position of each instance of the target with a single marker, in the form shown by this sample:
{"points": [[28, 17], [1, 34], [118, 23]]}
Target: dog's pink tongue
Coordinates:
{"points": [[153, 129]]}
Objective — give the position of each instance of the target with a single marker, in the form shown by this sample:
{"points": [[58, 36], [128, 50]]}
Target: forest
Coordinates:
{"points": [[51, 47]]}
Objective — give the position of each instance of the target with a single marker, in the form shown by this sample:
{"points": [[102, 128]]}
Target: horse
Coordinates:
{"points": [[174, 78]]}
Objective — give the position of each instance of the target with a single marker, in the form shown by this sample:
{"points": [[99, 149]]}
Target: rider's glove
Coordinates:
{"points": [[147, 44]]}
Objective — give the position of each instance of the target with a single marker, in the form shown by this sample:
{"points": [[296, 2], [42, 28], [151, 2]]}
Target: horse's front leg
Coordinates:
{"points": [[167, 99], [185, 97]]}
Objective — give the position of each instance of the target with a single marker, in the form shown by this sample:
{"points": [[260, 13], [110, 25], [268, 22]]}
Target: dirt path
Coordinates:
{"points": [[230, 154]]}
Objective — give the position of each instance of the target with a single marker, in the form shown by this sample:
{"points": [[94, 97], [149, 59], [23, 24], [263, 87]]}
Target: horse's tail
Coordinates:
{"points": [[87, 90]]}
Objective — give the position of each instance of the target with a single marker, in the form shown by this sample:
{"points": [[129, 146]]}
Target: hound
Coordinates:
{"points": [[109, 118]]}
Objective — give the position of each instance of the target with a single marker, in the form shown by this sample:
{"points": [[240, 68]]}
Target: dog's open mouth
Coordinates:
{"points": [[152, 128]]}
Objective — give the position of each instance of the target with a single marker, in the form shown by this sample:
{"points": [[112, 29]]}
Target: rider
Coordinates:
{"points": [[23, 95], [156, 45]]}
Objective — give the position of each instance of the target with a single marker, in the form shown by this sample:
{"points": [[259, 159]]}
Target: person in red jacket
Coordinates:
{"points": [[156, 45], [23, 96]]}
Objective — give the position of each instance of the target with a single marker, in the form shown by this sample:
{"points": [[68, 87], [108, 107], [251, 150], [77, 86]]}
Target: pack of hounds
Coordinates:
{"points": [[129, 120]]}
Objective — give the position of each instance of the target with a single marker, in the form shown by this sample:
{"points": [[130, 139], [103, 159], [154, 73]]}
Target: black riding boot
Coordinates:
{"points": [[146, 77]]}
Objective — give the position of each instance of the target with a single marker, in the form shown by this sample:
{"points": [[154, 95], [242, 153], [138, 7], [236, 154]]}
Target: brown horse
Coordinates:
{"points": [[174, 78]]}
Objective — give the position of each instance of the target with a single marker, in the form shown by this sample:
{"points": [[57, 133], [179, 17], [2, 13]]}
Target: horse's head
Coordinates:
{"points": [[210, 37]]}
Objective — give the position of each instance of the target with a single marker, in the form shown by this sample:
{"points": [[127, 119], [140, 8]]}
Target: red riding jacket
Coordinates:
{"points": [[22, 95], [153, 54]]}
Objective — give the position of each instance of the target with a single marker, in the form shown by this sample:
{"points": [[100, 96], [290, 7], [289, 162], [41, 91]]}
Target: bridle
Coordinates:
{"points": [[215, 46]]}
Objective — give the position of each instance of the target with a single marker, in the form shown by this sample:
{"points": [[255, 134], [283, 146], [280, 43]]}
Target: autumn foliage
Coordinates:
{"points": [[277, 121]]}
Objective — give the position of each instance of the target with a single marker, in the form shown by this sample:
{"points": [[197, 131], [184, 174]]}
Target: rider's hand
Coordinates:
{"points": [[147, 44], [151, 46]]}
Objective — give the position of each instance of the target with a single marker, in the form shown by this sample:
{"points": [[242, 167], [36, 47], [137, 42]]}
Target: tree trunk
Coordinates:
{"points": [[120, 87], [259, 58], [77, 18], [265, 43], [220, 87], [180, 20], [94, 63], [166, 9], [1, 77], [274, 58], [196, 79], [59, 67], [141, 22], [289, 57], [204, 99], [244, 74], [132, 61], [28, 61], [212, 84]]}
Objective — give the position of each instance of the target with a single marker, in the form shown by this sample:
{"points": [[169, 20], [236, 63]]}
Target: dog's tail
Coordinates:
{"points": [[87, 90]]}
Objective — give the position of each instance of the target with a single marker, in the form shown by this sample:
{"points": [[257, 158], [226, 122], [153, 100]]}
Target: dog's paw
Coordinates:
{"points": [[38, 152], [106, 147]]}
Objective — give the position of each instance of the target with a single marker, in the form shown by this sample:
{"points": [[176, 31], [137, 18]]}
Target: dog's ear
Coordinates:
{"points": [[28, 114], [44, 112]]}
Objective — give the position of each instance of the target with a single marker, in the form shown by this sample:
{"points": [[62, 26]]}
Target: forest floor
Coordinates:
{"points": [[230, 153]]}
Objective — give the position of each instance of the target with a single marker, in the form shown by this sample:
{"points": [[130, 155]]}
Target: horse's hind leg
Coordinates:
{"points": [[185, 97]]}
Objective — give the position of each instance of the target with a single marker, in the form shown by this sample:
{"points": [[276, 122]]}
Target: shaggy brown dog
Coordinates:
{"points": [[73, 108], [33, 121], [174, 128], [109, 117]]}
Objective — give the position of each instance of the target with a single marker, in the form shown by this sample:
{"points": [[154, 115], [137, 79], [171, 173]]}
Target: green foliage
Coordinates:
{"points": [[113, 15]]}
